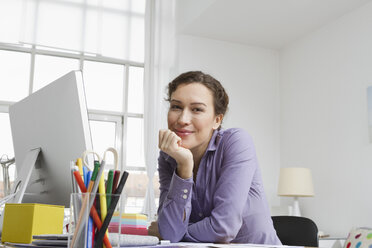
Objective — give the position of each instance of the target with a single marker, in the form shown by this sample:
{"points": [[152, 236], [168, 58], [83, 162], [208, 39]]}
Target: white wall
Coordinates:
{"points": [[188, 11], [324, 119], [250, 76]]}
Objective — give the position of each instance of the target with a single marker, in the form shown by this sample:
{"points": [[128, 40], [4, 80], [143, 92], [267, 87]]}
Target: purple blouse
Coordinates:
{"points": [[227, 202]]}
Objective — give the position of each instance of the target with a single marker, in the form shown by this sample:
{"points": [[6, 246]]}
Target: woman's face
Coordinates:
{"points": [[191, 115]]}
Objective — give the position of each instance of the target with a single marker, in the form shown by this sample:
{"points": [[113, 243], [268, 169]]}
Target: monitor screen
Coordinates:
{"points": [[54, 119]]}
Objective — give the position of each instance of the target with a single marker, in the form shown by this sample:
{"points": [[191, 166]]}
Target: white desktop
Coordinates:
{"points": [[54, 121]]}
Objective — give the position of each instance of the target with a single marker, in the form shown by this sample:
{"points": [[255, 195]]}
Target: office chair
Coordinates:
{"points": [[293, 230]]}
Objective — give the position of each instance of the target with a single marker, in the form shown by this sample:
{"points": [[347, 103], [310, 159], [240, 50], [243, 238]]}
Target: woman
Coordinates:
{"points": [[210, 182]]}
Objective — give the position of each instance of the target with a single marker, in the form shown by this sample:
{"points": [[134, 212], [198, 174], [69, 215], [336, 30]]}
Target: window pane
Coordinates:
{"points": [[14, 75], [104, 85], [59, 24], [137, 39], [138, 6], [116, 29], [103, 137], [156, 185], [6, 144], [114, 35], [135, 90], [116, 4], [135, 153], [134, 191], [92, 38], [50, 68], [10, 20]]}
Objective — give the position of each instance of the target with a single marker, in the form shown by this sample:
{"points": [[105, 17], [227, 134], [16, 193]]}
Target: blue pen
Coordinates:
{"points": [[85, 173], [89, 176], [90, 233], [90, 219]]}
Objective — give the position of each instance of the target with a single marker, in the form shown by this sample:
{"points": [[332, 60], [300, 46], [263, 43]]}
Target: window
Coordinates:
{"points": [[14, 75], [104, 87], [45, 39], [135, 98], [6, 146], [104, 135], [135, 154], [57, 67]]}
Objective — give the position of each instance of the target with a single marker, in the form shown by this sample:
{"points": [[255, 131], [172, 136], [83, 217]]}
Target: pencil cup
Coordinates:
{"points": [[76, 201], [86, 223]]}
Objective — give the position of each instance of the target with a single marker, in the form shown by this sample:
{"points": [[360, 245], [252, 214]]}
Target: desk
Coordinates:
{"points": [[203, 245], [167, 244], [331, 242]]}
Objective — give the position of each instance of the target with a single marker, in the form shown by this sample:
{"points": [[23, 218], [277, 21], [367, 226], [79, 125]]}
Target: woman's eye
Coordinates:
{"points": [[175, 107], [197, 110]]}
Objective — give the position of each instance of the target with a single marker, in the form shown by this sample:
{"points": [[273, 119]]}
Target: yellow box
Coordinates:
{"points": [[21, 221]]}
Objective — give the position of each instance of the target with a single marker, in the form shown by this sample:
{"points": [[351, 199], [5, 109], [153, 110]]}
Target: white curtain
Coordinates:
{"points": [[159, 69]]}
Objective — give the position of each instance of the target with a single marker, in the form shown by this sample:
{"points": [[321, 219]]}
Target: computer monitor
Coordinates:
{"points": [[53, 120]]}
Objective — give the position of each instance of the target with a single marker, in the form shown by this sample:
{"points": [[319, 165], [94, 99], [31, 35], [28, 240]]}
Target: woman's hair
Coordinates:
{"points": [[220, 97]]}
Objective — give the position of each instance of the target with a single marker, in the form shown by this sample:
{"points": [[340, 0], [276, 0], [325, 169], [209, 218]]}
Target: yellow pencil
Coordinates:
{"points": [[102, 198], [79, 163]]}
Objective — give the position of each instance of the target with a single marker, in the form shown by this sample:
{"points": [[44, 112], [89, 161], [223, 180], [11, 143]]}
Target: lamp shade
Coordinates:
{"points": [[295, 182]]}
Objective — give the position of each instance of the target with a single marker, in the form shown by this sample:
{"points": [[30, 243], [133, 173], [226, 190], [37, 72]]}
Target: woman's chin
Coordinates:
{"points": [[185, 145]]}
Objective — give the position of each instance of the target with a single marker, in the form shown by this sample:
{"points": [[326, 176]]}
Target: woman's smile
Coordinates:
{"points": [[183, 133]]}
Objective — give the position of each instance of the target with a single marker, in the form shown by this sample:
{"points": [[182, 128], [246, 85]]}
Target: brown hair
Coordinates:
{"points": [[220, 97]]}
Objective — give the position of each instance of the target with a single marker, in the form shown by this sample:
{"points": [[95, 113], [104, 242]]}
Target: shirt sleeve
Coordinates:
{"points": [[238, 167], [174, 203]]}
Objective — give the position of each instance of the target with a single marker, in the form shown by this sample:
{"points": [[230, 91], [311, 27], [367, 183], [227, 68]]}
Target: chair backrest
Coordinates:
{"points": [[293, 230]]}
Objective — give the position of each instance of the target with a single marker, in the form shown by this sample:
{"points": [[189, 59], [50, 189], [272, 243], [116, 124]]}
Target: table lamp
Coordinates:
{"points": [[295, 182]]}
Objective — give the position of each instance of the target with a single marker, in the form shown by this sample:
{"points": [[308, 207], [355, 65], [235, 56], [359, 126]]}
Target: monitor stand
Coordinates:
{"points": [[23, 178]]}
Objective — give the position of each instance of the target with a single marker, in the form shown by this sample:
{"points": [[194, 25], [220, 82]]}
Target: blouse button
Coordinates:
{"points": [[184, 196], [185, 191], [200, 215]]}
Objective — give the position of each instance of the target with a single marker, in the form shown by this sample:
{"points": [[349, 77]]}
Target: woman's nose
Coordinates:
{"points": [[185, 117]]}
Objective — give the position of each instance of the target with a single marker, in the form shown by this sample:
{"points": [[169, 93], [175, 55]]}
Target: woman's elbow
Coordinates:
{"points": [[223, 237], [170, 232], [224, 233]]}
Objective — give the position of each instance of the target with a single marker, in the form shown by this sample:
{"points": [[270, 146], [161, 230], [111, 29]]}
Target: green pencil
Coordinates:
{"points": [[110, 180]]}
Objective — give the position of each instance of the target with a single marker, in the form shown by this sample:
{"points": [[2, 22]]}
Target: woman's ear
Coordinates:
{"points": [[217, 121]]}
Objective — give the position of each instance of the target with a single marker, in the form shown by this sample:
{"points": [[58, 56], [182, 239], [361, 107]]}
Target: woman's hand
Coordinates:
{"points": [[171, 144], [153, 230]]}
